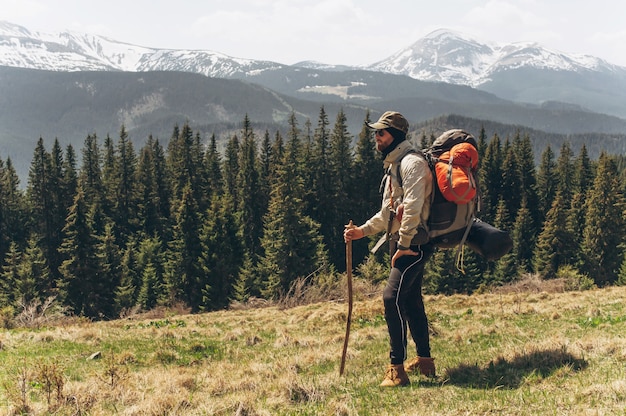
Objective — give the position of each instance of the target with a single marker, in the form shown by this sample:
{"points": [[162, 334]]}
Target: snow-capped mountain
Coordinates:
{"points": [[71, 51], [451, 57], [442, 56]]}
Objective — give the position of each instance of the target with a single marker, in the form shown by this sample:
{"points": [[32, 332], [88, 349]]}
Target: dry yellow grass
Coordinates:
{"points": [[515, 353]]}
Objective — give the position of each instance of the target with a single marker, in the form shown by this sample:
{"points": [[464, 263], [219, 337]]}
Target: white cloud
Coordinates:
{"points": [[19, 9], [286, 30]]}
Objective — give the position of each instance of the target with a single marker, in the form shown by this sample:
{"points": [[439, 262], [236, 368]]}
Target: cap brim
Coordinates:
{"points": [[377, 126]]}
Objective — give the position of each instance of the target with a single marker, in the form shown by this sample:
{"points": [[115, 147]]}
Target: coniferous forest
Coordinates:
{"points": [[185, 224]]}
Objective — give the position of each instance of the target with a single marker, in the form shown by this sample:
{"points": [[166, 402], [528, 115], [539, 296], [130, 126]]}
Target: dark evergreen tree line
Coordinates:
{"points": [[188, 225]]}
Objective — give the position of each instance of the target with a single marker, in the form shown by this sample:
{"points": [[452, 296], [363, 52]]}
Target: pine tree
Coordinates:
{"points": [[554, 244], [292, 245], [230, 169], [604, 224], [59, 208], [163, 188], [320, 203], [38, 189], [341, 162], [490, 174], [150, 269], [178, 163], [152, 189], [583, 171], [250, 212], [149, 215], [109, 177], [80, 287], [125, 191], [504, 270], [69, 183], [523, 250], [441, 273], [472, 266], [512, 191], [546, 183], [526, 164], [565, 169], [583, 179], [293, 159], [186, 166], [128, 289], [482, 145], [110, 273], [68, 189], [212, 163], [246, 284], [45, 213], [90, 176], [447, 274], [575, 225], [148, 295], [277, 156], [220, 257], [13, 211], [10, 276], [185, 279], [34, 284], [265, 169]]}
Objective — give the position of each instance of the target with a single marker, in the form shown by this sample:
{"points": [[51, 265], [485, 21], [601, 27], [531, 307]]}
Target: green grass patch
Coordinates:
{"points": [[495, 354]]}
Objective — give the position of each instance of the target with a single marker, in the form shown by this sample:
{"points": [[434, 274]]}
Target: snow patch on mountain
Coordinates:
{"points": [[441, 56], [451, 57], [71, 51]]}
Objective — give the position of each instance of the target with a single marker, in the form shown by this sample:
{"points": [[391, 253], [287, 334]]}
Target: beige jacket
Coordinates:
{"points": [[417, 186]]}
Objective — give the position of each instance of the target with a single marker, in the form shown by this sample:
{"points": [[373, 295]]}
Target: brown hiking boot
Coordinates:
{"points": [[395, 376], [426, 365]]}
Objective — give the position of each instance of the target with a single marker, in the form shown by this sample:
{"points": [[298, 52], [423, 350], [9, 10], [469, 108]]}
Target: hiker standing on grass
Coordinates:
{"points": [[404, 207]]}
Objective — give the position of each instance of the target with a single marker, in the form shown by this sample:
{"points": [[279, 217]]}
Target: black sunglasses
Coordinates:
{"points": [[380, 133]]}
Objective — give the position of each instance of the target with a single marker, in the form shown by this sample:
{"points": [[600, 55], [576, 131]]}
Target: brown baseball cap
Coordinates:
{"points": [[391, 119]]}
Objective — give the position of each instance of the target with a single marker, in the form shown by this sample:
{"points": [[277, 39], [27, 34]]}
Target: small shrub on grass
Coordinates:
{"points": [[37, 313], [574, 280], [7, 320], [113, 374], [50, 377], [372, 270], [165, 356], [17, 388], [312, 289], [300, 392]]}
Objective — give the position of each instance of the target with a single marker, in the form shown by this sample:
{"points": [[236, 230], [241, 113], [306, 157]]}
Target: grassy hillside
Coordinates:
{"points": [[526, 351]]}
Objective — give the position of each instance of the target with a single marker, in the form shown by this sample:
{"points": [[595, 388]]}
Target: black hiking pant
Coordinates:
{"points": [[404, 305]]}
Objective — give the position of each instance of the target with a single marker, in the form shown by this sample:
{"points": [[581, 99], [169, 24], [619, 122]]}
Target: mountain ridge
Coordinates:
{"points": [[449, 56], [522, 72], [140, 58]]}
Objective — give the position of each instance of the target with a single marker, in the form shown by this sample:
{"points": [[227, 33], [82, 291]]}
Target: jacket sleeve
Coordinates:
{"points": [[417, 187], [379, 221]]}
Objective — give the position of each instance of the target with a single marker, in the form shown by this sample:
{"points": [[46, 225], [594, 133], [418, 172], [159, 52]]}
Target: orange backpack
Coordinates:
{"points": [[455, 172], [453, 160], [454, 202]]}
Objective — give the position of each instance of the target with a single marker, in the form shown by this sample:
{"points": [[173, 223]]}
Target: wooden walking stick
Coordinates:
{"points": [[349, 321]]}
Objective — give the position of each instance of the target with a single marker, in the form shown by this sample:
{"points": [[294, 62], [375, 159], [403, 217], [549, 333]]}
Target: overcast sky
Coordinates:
{"points": [[351, 32]]}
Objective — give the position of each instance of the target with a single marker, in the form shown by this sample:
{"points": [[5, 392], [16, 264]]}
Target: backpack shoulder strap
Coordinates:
{"points": [[418, 152]]}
